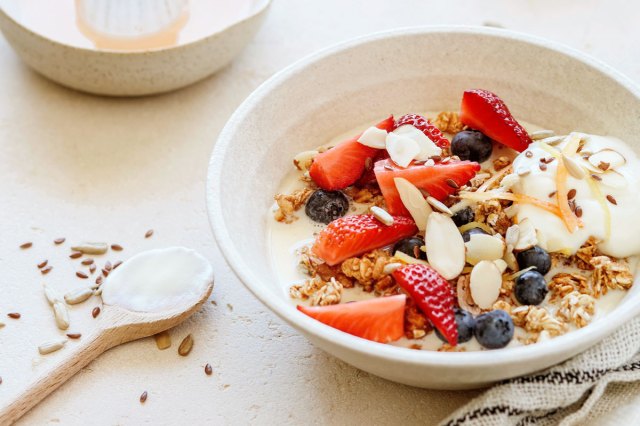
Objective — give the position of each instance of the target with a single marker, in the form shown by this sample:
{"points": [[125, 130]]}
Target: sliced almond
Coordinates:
{"points": [[445, 246], [610, 157], [510, 258], [527, 237], [427, 147], [572, 143], [374, 137], [409, 260], [402, 149], [541, 134], [414, 202], [512, 235], [552, 140], [501, 264], [509, 180], [573, 167], [302, 161], [382, 215], [486, 281], [438, 205], [484, 247]]}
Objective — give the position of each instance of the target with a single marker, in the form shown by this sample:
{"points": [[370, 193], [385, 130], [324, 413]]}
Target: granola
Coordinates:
{"points": [[290, 203], [578, 308], [609, 274], [449, 122]]}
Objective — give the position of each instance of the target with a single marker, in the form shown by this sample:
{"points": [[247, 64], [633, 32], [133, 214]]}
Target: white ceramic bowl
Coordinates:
{"points": [[401, 71], [132, 73]]}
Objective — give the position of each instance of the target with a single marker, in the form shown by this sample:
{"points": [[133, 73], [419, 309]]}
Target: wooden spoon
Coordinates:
{"points": [[115, 326]]}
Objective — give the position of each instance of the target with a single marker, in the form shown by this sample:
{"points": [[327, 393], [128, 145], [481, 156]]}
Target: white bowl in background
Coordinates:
{"points": [[357, 82], [145, 71]]}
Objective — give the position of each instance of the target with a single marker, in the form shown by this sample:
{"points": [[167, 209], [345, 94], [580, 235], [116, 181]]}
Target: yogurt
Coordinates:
{"points": [[618, 229], [158, 280]]}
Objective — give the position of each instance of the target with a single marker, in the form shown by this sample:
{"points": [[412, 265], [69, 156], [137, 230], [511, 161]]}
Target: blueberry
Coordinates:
{"points": [[530, 288], [466, 326], [326, 206], [471, 145], [494, 330], [535, 256], [411, 246], [466, 235], [463, 217]]}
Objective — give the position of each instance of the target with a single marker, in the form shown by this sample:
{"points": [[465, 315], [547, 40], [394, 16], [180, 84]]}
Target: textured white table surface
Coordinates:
{"points": [[90, 168]]}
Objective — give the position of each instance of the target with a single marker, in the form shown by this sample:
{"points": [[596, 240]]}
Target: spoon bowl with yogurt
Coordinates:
{"points": [[153, 291]]}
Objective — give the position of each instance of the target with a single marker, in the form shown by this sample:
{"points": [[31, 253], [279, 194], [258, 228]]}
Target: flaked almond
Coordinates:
{"points": [[510, 258], [163, 340], [414, 202], [484, 247], [91, 248], [402, 149], [527, 237], [485, 284], [607, 159], [52, 346], [61, 315], [301, 161], [541, 134], [438, 205], [512, 235], [445, 246], [382, 215], [78, 296]]}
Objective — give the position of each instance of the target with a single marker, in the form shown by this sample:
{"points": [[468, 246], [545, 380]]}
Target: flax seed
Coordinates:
{"points": [[143, 397], [596, 177], [59, 241], [99, 280], [452, 183], [578, 211], [528, 154], [116, 247], [118, 263], [105, 272], [543, 167], [552, 194], [74, 335], [571, 194], [604, 166], [82, 275], [208, 370], [108, 266], [75, 254], [149, 233], [43, 264], [95, 312], [92, 268], [46, 270], [612, 200], [26, 245], [87, 262], [14, 315]]}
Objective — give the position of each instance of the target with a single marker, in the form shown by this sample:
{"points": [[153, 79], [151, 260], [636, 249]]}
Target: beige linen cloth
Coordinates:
{"points": [[598, 387]]}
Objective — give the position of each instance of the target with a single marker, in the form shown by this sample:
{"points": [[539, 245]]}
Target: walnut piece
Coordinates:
{"points": [[449, 122], [577, 308], [610, 274], [289, 203]]}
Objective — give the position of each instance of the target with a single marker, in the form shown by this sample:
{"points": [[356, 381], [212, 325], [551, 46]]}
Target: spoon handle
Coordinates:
{"points": [[77, 354]]}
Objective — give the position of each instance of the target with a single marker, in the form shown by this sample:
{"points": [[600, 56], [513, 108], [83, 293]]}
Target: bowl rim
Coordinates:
{"points": [[260, 9], [594, 333]]}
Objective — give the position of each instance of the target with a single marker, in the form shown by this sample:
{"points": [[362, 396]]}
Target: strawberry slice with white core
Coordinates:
{"points": [[380, 319], [428, 148], [374, 138], [401, 149]]}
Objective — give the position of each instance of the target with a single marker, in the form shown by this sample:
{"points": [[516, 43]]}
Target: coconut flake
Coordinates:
{"points": [[374, 138], [402, 150], [485, 284], [445, 246], [484, 247], [501, 264], [414, 202], [427, 147]]}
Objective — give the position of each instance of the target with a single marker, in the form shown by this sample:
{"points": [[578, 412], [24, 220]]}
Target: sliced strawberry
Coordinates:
{"points": [[485, 111], [380, 319], [433, 295], [343, 164], [369, 175], [436, 180], [425, 126], [357, 234]]}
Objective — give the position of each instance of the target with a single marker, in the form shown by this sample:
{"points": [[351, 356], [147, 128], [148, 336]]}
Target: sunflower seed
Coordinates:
{"points": [[78, 296], [541, 134], [61, 315], [523, 171], [51, 295], [185, 346], [382, 215], [48, 347], [91, 248], [97, 292], [439, 206], [26, 245], [163, 340]]}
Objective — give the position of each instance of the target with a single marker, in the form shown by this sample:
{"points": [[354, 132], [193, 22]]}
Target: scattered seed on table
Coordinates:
{"points": [[47, 348], [74, 335], [99, 280], [95, 312], [91, 248], [612, 200], [107, 266], [118, 263], [185, 346], [59, 241], [143, 397], [26, 245], [149, 233], [61, 315], [2, 324], [105, 272], [46, 270], [75, 254], [43, 264], [92, 268], [14, 315], [116, 247], [88, 261], [82, 275], [208, 370]]}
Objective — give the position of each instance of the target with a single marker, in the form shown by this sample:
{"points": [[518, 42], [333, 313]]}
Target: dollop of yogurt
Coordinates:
{"points": [[616, 224], [158, 280]]}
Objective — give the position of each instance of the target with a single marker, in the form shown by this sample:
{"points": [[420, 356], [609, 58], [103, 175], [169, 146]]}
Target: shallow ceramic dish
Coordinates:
{"points": [[132, 73], [405, 70]]}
